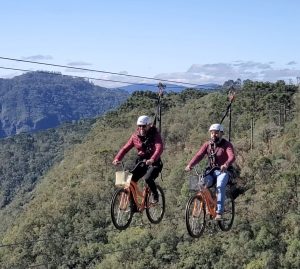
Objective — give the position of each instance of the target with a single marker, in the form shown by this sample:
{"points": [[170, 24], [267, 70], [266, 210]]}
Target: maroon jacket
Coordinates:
{"points": [[224, 153], [154, 145]]}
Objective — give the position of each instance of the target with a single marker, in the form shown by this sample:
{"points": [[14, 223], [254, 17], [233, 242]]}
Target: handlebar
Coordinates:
{"points": [[207, 171], [201, 177], [140, 163]]}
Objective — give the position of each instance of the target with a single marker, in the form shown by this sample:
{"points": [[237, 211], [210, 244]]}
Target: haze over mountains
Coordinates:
{"points": [[39, 100], [169, 87]]}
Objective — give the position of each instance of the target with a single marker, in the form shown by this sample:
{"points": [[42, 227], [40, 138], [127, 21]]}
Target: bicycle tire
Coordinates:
{"points": [[228, 216], [121, 210], [195, 215], [155, 213]]}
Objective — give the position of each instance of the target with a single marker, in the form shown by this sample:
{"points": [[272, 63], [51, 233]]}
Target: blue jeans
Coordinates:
{"points": [[222, 179]]}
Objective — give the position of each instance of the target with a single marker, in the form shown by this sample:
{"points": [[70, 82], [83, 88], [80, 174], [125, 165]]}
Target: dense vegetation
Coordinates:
{"points": [[25, 158], [66, 221], [40, 100]]}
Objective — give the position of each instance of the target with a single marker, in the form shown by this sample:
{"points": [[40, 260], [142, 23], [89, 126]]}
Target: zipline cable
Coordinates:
{"points": [[97, 71], [100, 79]]}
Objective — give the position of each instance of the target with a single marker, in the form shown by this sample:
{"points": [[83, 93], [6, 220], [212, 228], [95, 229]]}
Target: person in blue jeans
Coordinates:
{"points": [[220, 154]]}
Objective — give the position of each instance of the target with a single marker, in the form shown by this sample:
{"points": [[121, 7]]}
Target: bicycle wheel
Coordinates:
{"points": [[155, 212], [228, 216], [195, 215], [121, 209]]}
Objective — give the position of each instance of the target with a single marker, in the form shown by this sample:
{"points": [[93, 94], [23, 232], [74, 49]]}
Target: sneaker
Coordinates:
{"points": [[134, 208], [218, 217], [155, 198]]}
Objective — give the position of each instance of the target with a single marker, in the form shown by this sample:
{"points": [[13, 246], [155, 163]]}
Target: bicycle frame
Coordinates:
{"points": [[210, 202], [202, 203], [136, 194], [205, 193], [130, 195]]}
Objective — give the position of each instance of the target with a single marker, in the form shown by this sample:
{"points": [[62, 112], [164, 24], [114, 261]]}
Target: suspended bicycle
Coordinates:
{"points": [[204, 203], [129, 198]]}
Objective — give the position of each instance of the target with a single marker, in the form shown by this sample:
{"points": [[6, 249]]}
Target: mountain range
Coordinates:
{"points": [[169, 87], [40, 100]]}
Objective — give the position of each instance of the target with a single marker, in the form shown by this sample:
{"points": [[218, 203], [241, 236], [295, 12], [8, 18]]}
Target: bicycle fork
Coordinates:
{"points": [[198, 206], [124, 200]]}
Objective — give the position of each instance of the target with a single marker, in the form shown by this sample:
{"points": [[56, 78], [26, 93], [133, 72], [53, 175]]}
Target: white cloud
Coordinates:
{"points": [[253, 65], [123, 72], [197, 74], [78, 63], [220, 72], [280, 74], [37, 57], [216, 73]]}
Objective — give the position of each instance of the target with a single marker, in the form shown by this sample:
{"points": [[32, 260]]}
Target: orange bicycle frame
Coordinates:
{"points": [[136, 193], [209, 201]]}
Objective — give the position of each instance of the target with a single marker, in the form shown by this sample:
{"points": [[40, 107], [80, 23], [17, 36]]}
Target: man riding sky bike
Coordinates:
{"points": [[147, 140], [220, 154]]}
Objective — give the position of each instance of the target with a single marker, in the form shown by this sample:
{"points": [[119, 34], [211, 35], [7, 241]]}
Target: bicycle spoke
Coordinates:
{"points": [[195, 216], [228, 216], [155, 212], [121, 211]]}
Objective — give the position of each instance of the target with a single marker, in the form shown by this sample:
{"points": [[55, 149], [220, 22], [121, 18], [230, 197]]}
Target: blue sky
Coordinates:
{"points": [[192, 41]]}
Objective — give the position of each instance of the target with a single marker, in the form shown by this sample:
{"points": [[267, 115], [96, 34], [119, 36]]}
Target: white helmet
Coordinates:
{"points": [[216, 127], [143, 120]]}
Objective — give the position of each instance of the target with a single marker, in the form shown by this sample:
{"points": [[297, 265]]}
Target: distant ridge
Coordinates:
{"points": [[169, 87], [40, 100]]}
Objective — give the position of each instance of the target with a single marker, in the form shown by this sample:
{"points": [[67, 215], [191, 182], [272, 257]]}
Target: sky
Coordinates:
{"points": [[190, 41]]}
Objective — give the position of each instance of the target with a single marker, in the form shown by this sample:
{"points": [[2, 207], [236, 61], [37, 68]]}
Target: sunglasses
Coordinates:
{"points": [[142, 126]]}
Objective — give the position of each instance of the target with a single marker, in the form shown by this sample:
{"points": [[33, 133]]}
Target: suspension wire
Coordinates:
{"points": [[247, 220], [100, 79], [159, 119], [157, 116], [134, 247], [231, 97], [161, 87], [138, 246], [166, 219], [74, 236], [241, 202], [98, 71]]}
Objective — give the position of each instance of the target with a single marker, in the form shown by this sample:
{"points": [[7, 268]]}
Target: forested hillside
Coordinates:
{"points": [[66, 220], [25, 158], [40, 100]]}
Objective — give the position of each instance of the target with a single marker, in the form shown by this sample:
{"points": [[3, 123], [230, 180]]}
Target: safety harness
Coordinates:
{"points": [[212, 149]]}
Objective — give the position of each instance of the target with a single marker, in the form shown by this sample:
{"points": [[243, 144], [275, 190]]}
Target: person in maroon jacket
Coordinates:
{"points": [[220, 154], [147, 140]]}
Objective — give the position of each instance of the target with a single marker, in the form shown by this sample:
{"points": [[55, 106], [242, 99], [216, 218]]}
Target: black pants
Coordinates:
{"points": [[150, 173]]}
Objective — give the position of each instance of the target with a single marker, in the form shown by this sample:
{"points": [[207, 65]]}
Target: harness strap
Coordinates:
{"points": [[157, 116], [212, 155], [212, 151]]}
